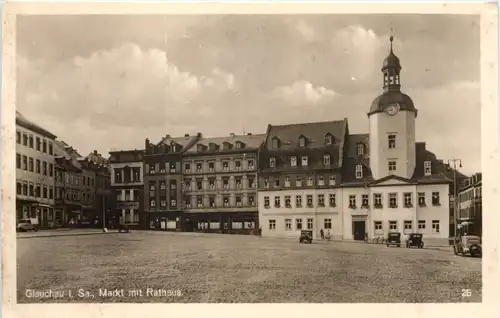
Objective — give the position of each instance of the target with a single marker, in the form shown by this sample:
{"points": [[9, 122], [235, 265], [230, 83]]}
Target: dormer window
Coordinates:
{"points": [[272, 162], [239, 145], [427, 168], [302, 141], [200, 148], [328, 139], [226, 145], [304, 161], [275, 143], [293, 161], [360, 149], [359, 171], [327, 159], [212, 146]]}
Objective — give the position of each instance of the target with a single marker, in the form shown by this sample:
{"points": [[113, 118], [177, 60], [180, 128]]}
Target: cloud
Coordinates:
{"points": [[305, 30], [301, 93]]}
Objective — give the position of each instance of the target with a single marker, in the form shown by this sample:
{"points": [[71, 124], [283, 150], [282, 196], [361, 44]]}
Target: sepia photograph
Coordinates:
{"points": [[247, 158]]}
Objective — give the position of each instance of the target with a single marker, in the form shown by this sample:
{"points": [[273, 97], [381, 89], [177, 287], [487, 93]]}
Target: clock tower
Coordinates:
{"points": [[392, 125]]}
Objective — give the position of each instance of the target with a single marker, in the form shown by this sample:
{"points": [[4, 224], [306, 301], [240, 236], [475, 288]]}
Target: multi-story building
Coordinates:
{"points": [[68, 194], [127, 167], [34, 171], [162, 182], [388, 182], [90, 215], [104, 200], [470, 206], [300, 169], [220, 184]]}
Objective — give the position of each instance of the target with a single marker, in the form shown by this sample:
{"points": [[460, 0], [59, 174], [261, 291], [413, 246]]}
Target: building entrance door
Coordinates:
{"points": [[358, 230]]}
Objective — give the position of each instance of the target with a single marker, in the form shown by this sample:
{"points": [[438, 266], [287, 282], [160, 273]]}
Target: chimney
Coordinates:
{"points": [[147, 144], [231, 134], [186, 135]]}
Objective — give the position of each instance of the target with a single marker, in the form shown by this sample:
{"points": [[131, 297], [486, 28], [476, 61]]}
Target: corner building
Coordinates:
{"points": [[220, 184], [379, 182]]}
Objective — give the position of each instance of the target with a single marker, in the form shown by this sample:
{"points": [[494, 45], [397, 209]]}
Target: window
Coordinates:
{"points": [[435, 226], [51, 149], [44, 146], [266, 182], [359, 171], [199, 202], [38, 190], [238, 201], [225, 183], [328, 139], [328, 224], [163, 185], [309, 198], [211, 184], [25, 163], [333, 202], [310, 224], [302, 142], [392, 141], [187, 167], [435, 199], [51, 170], [427, 168], [25, 139], [360, 149], [30, 141], [298, 182], [277, 202], [238, 183], [378, 227], [152, 186], [187, 202], [293, 161], [298, 224], [304, 161], [393, 225], [30, 166], [199, 167], [18, 137], [225, 165], [352, 201], [32, 190], [421, 199], [393, 200], [173, 203], [408, 199], [288, 224], [408, 226], [163, 203], [38, 143], [276, 182], [18, 161], [275, 143], [238, 145], [251, 200], [421, 225], [266, 202], [251, 182], [309, 181], [392, 165], [298, 201], [288, 202], [237, 165], [321, 181], [287, 181], [321, 200], [38, 166], [272, 224], [272, 162], [364, 200], [173, 184], [250, 164], [326, 159], [25, 189], [45, 190], [331, 180], [211, 201]]}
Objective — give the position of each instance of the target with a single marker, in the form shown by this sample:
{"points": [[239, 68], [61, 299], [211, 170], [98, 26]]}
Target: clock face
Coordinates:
{"points": [[392, 109]]}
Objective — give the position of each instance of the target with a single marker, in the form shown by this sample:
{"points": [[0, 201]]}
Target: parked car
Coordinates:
{"points": [[25, 225], [123, 228], [415, 240], [394, 238], [306, 237], [468, 245]]}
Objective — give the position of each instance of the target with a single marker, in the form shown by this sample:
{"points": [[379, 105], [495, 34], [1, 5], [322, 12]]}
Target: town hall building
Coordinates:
{"points": [[315, 176]]}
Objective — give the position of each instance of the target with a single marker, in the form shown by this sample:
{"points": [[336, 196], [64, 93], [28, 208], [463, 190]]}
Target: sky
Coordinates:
{"points": [[108, 82]]}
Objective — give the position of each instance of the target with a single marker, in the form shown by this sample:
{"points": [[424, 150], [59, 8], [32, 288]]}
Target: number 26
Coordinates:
{"points": [[466, 293]]}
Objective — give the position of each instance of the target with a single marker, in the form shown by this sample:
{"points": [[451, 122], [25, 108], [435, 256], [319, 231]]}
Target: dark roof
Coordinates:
{"points": [[182, 141], [288, 135], [352, 159], [26, 123], [380, 103], [391, 61], [250, 142], [61, 151], [97, 158]]}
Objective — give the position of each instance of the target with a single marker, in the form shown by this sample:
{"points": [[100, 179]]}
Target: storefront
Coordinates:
{"points": [[222, 222]]}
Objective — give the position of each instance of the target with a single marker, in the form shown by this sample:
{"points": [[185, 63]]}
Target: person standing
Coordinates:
{"points": [[322, 234]]}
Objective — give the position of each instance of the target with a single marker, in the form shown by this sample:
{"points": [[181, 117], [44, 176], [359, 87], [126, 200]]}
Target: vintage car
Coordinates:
{"points": [[415, 240], [468, 245], [394, 238], [25, 225], [123, 228], [306, 237]]}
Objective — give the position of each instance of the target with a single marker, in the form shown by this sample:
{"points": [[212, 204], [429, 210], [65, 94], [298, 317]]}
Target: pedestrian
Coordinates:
{"points": [[322, 234]]}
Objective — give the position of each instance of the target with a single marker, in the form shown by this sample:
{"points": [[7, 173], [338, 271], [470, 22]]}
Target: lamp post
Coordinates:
{"points": [[454, 161]]}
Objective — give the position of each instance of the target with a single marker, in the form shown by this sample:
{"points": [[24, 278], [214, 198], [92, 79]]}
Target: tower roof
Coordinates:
{"points": [[391, 61]]}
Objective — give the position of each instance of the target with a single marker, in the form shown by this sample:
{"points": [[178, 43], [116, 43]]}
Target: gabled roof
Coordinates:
{"points": [[315, 133], [181, 141], [62, 150], [250, 142], [28, 124]]}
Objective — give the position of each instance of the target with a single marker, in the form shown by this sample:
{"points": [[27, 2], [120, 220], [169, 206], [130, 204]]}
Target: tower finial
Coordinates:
{"points": [[391, 38]]}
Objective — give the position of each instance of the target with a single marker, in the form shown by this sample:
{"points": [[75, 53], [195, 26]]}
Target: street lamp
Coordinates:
{"points": [[454, 161]]}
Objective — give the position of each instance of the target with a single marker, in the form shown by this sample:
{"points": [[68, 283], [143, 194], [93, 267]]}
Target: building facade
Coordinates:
{"points": [[104, 203], [127, 182], [377, 183], [35, 168], [162, 182], [219, 188], [470, 206]]}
